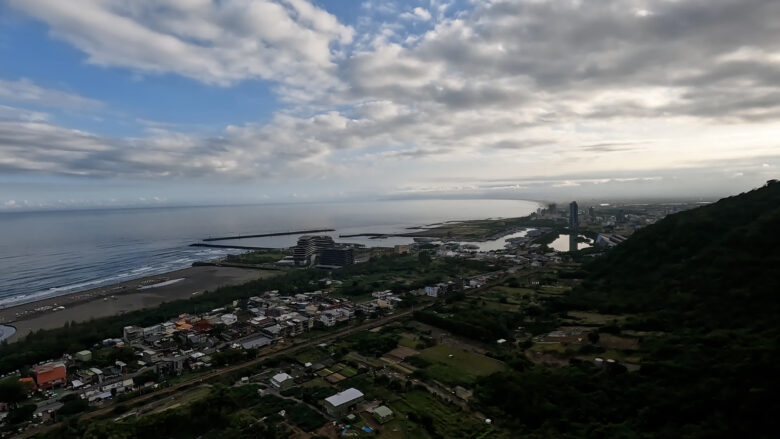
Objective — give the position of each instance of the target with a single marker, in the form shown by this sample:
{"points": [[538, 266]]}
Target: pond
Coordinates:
{"points": [[563, 243], [6, 331]]}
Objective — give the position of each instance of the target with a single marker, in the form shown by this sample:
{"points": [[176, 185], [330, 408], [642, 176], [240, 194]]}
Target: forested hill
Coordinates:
{"points": [[703, 286], [714, 266]]}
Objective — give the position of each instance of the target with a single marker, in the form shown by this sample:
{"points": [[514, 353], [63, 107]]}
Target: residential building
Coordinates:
{"points": [[256, 342], [337, 256], [339, 404], [50, 375], [133, 333], [228, 319], [282, 381], [382, 414], [309, 247]]}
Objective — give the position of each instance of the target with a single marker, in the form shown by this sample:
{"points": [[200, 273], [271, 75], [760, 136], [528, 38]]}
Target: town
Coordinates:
{"points": [[301, 351]]}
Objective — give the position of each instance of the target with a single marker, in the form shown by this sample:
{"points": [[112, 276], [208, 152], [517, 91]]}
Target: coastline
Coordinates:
{"points": [[123, 297]]}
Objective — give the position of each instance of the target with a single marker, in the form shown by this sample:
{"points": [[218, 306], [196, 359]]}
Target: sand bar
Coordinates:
{"points": [[122, 297]]}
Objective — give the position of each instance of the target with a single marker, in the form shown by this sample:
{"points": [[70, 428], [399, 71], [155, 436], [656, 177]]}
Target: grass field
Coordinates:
{"points": [[461, 368], [553, 290], [316, 382], [512, 292], [310, 355], [408, 342], [595, 318], [189, 397], [548, 347]]}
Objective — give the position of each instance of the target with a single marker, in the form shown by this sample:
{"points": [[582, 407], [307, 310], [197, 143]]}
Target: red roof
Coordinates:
{"points": [[28, 383], [202, 325], [51, 374]]}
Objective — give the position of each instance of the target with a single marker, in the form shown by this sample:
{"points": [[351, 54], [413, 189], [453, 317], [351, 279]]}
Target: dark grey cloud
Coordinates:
{"points": [[520, 144], [566, 48]]}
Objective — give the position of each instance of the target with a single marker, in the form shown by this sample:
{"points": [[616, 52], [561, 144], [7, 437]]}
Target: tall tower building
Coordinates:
{"points": [[574, 221]]}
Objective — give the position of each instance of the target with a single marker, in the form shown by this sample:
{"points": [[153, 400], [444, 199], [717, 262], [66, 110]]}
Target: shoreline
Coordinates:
{"points": [[120, 298]]}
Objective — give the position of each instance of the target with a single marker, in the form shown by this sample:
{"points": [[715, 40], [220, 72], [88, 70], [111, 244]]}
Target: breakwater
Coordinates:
{"points": [[264, 235]]}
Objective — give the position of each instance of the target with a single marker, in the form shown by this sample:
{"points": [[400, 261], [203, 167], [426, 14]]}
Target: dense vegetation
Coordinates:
{"points": [[691, 264], [708, 278], [403, 273]]}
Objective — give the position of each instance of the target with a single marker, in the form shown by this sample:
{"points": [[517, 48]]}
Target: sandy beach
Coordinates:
{"points": [[123, 297]]}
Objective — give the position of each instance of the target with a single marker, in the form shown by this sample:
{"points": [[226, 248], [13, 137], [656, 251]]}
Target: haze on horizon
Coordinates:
{"points": [[114, 103]]}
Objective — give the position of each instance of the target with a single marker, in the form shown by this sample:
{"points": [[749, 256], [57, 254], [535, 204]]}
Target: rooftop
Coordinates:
{"points": [[344, 397], [280, 377], [382, 411]]}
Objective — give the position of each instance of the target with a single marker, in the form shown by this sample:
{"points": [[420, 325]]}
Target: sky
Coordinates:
{"points": [[107, 103]]}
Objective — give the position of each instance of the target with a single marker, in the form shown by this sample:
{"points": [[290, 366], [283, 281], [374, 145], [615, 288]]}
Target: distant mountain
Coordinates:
{"points": [[711, 267]]}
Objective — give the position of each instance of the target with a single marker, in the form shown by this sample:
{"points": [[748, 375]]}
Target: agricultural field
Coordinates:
{"points": [[438, 418], [455, 366], [592, 318]]}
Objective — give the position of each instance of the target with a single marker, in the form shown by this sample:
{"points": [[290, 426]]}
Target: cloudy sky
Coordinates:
{"points": [[112, 103]]}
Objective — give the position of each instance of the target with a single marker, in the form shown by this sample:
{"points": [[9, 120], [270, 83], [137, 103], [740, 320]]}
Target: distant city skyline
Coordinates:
{"points": [[111, 104]]}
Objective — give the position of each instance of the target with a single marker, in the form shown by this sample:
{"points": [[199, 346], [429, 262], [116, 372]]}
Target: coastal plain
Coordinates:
{"points": [[124, 297]]}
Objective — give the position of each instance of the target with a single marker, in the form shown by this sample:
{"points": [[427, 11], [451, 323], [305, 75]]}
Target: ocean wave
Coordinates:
{"points": [[136, 273]]}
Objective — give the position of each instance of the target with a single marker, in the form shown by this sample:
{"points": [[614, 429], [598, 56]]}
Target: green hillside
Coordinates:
{"points": [[712, 267], [705, 285]]}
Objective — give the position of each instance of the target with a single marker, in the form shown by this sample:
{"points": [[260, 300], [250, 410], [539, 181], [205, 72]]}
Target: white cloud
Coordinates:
{"points": [[417, 13], [217, 42], [26, 91], [503, 89]]}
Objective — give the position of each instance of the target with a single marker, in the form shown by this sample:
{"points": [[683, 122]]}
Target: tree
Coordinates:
{"points": [[145, 377], [593, 337], [20, 414], [424, 258], [12, 390]]}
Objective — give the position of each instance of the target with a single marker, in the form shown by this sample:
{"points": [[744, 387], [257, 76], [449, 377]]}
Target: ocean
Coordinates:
{"points": [[46, 254]]}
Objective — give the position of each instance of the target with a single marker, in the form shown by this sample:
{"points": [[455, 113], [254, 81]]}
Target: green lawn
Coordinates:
{"points": [[462, 368], [310, 355], [553, 290], [548, 347], [408, 342], [316, 382], [348, 371]]}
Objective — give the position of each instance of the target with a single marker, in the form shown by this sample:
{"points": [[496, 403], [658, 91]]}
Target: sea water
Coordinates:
{"points": [[45, 254]]}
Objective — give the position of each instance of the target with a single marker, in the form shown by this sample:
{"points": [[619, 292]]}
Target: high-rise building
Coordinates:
{"points": [[337, 256], [574, 221], [309, 247]]}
